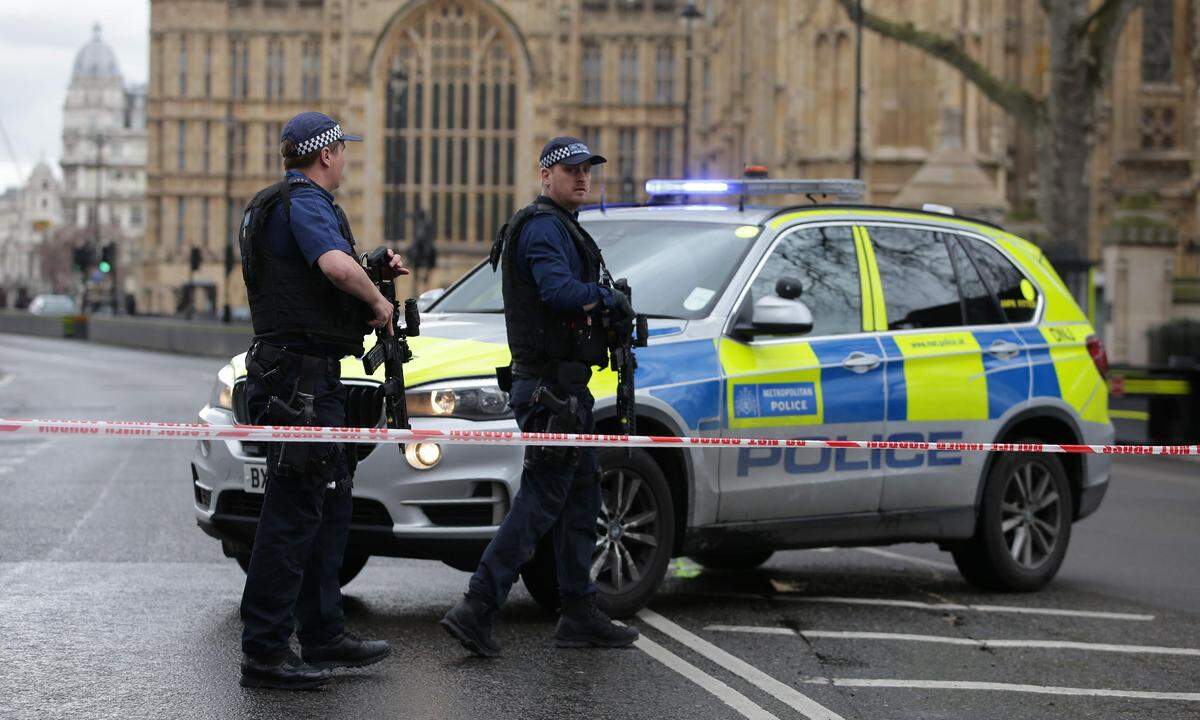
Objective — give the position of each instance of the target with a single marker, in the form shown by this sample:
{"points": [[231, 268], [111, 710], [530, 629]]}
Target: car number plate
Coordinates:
{"points": [[255, 478]]}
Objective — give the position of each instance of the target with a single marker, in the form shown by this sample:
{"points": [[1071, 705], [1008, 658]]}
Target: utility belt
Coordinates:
{"points": [[560, 385], [291, 380]]}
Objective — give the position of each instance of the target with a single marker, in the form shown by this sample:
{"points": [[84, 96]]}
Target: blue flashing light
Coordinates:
{"points": [[843, 190]]}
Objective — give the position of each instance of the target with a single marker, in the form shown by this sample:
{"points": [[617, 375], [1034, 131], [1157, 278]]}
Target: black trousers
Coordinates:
{"points": [[301, 537]]}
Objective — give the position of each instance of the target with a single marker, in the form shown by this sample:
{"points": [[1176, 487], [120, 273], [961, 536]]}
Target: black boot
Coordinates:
{"points": [[470, 623], [583, 624], [346, 651], [287, 673]]}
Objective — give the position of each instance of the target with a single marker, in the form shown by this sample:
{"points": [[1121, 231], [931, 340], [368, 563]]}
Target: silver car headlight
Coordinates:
{"points": [[472, 400], [222, 391]]}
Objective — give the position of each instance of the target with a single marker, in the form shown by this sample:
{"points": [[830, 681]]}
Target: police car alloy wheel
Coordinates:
{"points": [[1024, 524]]}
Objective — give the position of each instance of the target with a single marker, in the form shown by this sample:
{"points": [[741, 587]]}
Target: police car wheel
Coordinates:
{"points": [[734, 561], [1024, 525], [635, 531], [352, 565]]}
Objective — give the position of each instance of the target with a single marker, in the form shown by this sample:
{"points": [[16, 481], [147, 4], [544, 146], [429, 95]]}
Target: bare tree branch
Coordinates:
{"points": [[1103, 29], [1017, 101]]}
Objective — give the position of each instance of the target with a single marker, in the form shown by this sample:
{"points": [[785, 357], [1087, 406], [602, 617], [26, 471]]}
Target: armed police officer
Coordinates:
{"points": [[311, 303], [553, 300]]}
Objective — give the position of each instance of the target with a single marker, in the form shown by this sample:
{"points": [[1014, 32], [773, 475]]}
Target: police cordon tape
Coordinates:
{"points": [[283, 433]]}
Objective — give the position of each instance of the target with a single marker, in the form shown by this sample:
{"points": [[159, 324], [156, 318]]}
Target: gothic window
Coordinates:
{"points": [[1157, 127], [204, 227], [628, 78], [626, 162], [664, 73], [451, 121], [183, 65], [239, 68], [239, 147], [272, 162], [664, 138], [180, 214], [207, 147], [208, 47], [310, 68], [1158, 35], [181, 146], [591, 88], [275, 69]]}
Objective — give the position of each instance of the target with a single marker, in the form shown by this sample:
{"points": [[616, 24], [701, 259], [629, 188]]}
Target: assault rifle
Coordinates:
{"points": [[623, 336], [391, 348]]}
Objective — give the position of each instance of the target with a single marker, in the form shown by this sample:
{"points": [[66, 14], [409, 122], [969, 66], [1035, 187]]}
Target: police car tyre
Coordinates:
{"points": [[1024, 524], [352, 565], [636, 525], [733, 561]]}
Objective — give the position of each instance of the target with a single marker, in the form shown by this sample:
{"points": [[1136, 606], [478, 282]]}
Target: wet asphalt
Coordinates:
{"points": [[114, 604]]}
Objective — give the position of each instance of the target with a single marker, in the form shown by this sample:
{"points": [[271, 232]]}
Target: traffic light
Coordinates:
{"points": [[82, 258], [195, 258], [108, 257]]}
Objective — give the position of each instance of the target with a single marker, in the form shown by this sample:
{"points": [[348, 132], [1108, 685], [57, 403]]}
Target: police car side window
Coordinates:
{"points": [[823, 260], [979, 305], [1018, 296], [919, 284]]}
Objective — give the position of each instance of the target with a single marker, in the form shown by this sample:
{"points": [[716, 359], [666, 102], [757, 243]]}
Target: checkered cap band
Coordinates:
{"points": [[563, 153], [320, 140]]}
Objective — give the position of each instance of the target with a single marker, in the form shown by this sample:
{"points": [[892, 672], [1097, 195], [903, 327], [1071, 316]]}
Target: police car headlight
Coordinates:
{"points": [[222, 392], [469, 402], [423, 456]]}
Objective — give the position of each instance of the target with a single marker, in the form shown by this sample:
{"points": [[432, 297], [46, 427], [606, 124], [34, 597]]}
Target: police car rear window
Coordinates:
{"points": [[1018, 297], [676, 269]]}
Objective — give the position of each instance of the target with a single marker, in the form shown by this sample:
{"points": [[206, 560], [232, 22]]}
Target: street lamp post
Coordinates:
{"points": [[689, 14], [858, 15], [231, 229]]}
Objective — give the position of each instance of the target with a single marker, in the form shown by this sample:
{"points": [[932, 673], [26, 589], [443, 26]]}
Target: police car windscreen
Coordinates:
{"points": [[676, 269]]}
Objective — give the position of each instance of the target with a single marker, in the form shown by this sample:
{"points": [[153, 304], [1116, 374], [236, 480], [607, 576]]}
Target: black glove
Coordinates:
{"points": [[621, 309]]}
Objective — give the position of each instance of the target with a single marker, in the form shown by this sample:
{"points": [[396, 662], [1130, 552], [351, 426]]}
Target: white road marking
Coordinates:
{"points": [[96, 502], [734, 699], [1094, 614], [908, 559], [786, 694], [941, 639], [1005, 687]]}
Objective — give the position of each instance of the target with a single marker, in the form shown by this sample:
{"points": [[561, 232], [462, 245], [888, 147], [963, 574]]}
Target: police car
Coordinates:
{"points": [[812, 321]]}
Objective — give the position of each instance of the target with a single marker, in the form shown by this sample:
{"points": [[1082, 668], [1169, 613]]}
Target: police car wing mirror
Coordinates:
{"points": [[429, 297], [775, 315], [789, 288]]}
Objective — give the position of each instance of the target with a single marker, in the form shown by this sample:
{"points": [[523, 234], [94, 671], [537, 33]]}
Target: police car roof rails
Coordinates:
{"points": [[844, 190]]}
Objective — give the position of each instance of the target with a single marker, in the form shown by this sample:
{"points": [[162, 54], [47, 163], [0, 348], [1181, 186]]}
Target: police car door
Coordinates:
{"points": [[826, 383], [954, 365]]}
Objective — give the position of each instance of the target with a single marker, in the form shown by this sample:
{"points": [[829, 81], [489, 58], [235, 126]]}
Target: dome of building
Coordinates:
{"points": [[96, 59]]}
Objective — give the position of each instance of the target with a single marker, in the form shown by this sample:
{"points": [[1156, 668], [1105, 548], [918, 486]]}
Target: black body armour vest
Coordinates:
{"points": [[539, 336], [292, 302]]}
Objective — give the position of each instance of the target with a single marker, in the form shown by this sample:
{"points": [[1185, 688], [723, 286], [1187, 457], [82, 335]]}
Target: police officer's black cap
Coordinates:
{"points": [[568, 151], [311, 131]]}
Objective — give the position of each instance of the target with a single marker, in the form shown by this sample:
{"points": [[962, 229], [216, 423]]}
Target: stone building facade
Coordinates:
{"points": [[104, 156], [455, 97]]}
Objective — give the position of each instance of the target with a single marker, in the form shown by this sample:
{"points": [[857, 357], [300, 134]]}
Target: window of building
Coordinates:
{"points": [[310, 69], [626, 162], [181, 146], [590, 134], [135, 216], [824, 262], [272, 161], [208, 47], [206, 147], [239, 67], [591, 90], [450, 139], [239, 147], [183, 65], [664, 73], [919, 284], [628, 74], [1158, 41], [204, 225], [180, 214], [664, 139], [275, 69]]}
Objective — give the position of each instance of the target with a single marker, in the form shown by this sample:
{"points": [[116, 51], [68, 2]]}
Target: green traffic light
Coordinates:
{"points": [[105, 267]]}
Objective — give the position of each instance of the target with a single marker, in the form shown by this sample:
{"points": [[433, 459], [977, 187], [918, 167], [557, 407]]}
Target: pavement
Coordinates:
{"points": [[114, 604]]}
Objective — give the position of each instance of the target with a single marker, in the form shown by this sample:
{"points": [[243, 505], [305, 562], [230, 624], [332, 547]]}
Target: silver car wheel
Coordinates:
{"points": [[627, 531], [1030, 517]]}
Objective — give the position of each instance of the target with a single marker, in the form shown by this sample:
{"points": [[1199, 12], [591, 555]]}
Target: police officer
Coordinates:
{"points": [[311, 304], [551, 270]]}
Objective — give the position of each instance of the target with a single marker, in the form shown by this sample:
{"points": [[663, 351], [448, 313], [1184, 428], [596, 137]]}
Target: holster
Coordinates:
{"points": [[564, 418]]}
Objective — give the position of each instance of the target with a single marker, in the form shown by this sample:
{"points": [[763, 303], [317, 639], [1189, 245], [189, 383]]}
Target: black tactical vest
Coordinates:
{"points": [[538, 335], [292, 302]]}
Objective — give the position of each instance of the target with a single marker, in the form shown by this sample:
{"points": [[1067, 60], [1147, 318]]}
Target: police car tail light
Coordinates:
{"points": [[842, 190], [1095, 348]]}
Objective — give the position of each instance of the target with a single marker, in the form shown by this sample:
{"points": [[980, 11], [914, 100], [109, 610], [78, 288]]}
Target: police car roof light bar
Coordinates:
{"points": [[844, 190]]}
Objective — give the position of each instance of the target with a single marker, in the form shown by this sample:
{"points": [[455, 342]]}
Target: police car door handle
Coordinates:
{"points": [[1004, 349], [860, 362]]}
